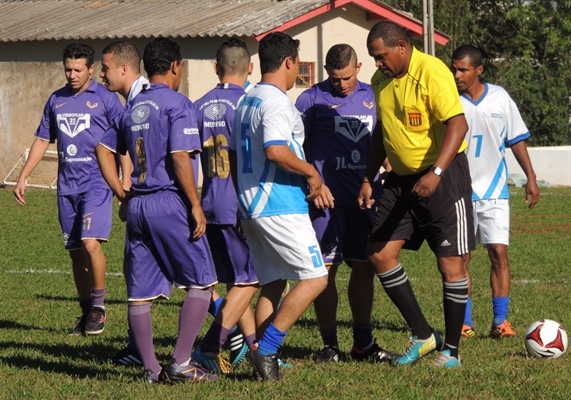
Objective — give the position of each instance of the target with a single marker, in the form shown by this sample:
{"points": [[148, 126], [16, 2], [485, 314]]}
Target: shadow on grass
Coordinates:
{"points": [[6, 324], [162, 302], [312, 323], [71, 360]]}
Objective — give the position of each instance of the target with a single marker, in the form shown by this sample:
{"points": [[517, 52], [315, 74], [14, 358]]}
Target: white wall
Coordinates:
{"points": [[551, 164]]}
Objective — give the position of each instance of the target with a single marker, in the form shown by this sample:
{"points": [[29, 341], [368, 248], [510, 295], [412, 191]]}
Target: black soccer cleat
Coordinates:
{"points": [[374, 354], [95, 321], [151, 378], [266, 366], [79, 328], [127, 358], [329, 354]]}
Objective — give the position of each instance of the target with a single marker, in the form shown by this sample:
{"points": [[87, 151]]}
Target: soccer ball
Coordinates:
{"points": [[545, 338]]}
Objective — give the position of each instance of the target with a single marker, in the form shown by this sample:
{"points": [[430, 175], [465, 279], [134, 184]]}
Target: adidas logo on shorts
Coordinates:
{"points": [[445, 243]]}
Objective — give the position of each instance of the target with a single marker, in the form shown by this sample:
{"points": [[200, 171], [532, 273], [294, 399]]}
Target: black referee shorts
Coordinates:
{"points": [[444, 219]]}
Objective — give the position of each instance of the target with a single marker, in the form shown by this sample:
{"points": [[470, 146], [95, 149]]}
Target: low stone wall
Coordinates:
{"points": [[551, 164]]}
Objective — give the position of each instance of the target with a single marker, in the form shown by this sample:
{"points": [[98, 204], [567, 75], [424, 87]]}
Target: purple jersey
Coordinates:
{"points": [[156, 123], [338, 130], [77, 123], [215, 114]]}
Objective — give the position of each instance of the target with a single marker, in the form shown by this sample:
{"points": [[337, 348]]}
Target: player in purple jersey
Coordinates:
{"points": [[121, 73], [339, 115], [76, 116], [165, 221], [215, 114]]}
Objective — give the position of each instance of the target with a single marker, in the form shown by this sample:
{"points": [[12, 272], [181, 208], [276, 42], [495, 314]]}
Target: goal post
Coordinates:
{"points": [[43, 176]]}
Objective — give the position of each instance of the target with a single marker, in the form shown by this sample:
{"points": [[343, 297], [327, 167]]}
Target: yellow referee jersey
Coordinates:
{"points": [[413, 110]]}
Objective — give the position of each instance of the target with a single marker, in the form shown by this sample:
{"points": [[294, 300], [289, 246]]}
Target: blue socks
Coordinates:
{"points": [[271, 341], [214, 306], [500, 306], [468, 315]]}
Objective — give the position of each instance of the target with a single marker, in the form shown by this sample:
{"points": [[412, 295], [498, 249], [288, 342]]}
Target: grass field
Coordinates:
{"points": [[37, 306]]}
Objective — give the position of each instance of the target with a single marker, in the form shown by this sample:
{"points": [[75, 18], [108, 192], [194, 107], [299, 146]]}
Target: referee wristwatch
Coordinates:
{"points": [[437, 170]]}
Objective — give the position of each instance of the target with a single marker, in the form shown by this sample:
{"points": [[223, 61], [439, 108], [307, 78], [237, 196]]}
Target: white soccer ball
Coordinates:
{"points": [[545, 339]]}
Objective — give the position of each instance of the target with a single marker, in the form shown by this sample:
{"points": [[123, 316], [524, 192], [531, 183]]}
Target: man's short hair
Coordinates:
{"points": [[75, 51], [233, 58], [125, 52], [159, 54], [472, 52], [340, 56], [390, 32], [274, 49]]}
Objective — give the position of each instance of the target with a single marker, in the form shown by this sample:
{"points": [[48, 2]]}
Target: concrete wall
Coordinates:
{"points": [[551, 164]]}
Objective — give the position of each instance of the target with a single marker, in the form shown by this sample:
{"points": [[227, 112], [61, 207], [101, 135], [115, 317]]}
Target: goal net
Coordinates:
{"points": [[44, 176]]}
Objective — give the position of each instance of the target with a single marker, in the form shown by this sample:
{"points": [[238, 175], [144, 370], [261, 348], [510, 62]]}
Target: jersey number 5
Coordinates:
{"points": [[246, 148]]}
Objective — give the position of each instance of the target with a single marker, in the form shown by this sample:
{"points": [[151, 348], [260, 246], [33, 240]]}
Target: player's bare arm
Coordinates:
{"points": [[37, 151], [184, 172], [522, 157], [108, 167], [377, 158], [456, 128], [286, 159], [126, 170]]}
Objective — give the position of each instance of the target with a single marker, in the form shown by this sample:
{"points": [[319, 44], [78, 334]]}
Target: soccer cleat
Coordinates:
{"points": [[149, 378], [468, 331], [374, 353], [419, 348], [329, 354], [79, 328], [238, 347], [95, 321], [211, 361], [266, 367], [193, 372], [503, 330], [283, 364], [446, 360], [127, 357]]}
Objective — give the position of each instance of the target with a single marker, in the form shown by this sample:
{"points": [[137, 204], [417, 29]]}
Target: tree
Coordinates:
{"points": [[527, 50]]}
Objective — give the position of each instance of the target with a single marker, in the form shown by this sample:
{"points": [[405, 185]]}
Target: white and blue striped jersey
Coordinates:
{"points": [[493, 122], [266, 116]]}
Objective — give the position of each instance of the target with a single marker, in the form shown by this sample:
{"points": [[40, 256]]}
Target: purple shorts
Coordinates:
{"points": [[342, 232], [231, 255], [85, 215], [160, 250]]}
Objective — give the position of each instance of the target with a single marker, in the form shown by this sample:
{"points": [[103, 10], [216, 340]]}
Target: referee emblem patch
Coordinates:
{"points": [[414, 119]]}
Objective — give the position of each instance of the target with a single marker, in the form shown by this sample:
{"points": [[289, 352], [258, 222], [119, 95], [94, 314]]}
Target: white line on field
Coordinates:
{"points": [[52, 271]]}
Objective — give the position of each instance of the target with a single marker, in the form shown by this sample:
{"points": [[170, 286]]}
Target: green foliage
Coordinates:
{"points": [[38, 304], [527, 50]]}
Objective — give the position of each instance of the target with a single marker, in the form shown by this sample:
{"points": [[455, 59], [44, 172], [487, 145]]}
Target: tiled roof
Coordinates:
{"points": [[26, 20]]}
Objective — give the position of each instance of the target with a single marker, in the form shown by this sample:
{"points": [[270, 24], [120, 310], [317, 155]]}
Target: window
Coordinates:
{"points": [[306, 75]]}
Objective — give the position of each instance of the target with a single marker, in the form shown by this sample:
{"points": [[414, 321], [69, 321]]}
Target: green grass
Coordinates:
{"points": [[37, 306]]}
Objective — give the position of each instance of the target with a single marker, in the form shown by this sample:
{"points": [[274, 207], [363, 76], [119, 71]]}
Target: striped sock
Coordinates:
{"points": [[455, 298], [398, 288]]}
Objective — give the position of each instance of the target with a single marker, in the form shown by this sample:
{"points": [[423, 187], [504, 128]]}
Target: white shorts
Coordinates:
{"points": [[284, 247], [492, 221]]}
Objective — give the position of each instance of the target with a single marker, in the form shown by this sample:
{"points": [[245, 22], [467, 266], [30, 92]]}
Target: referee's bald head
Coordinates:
{"points": [[233, 58]]}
